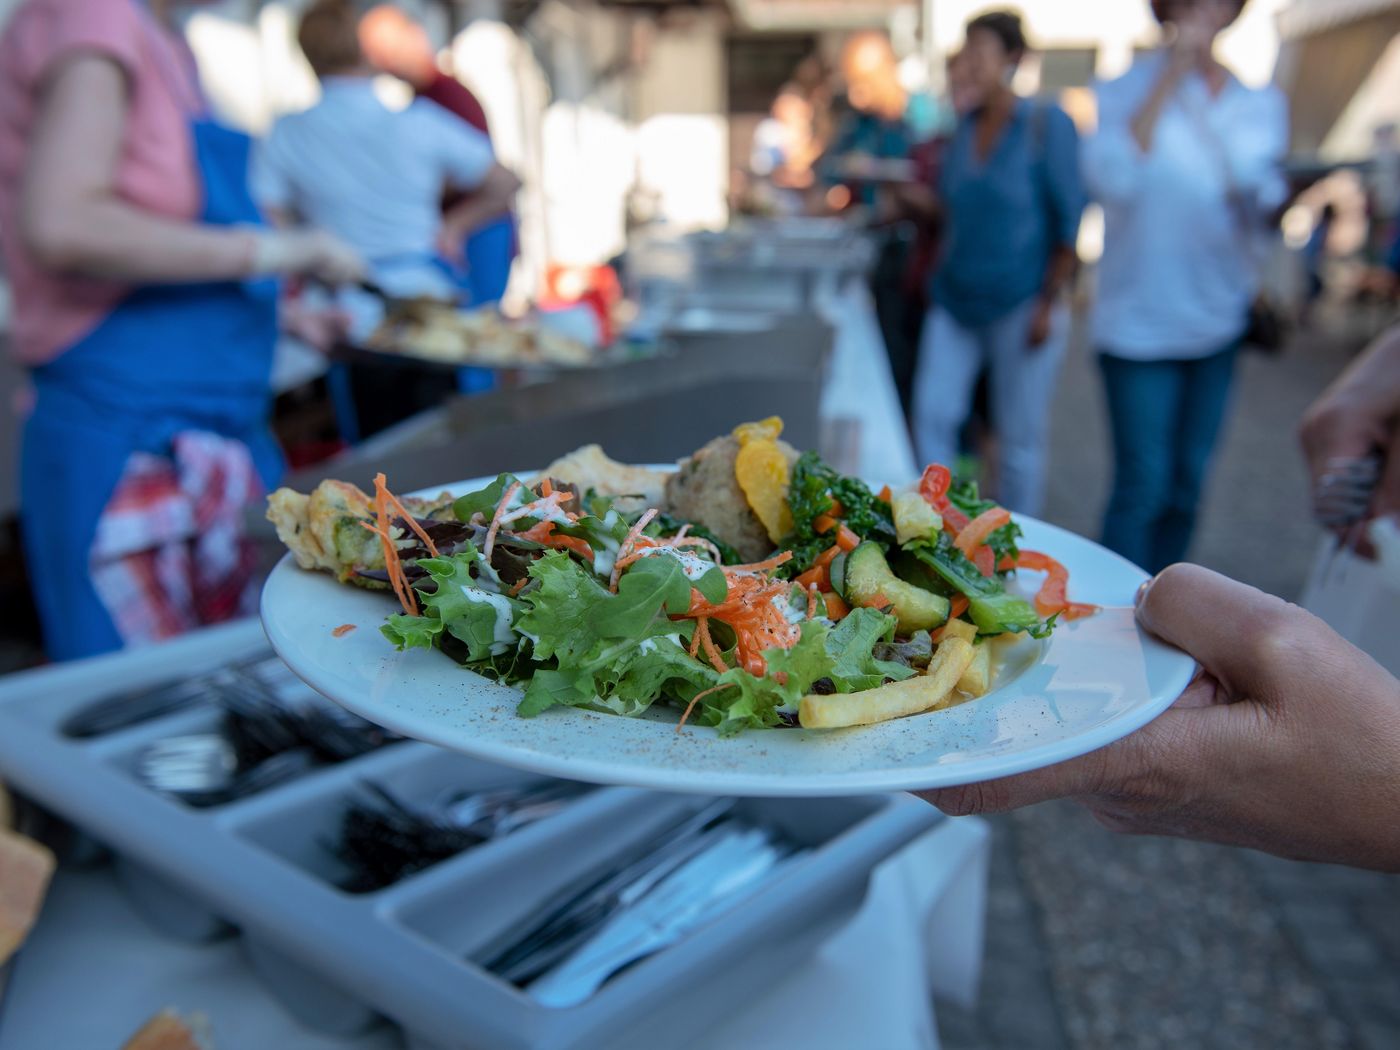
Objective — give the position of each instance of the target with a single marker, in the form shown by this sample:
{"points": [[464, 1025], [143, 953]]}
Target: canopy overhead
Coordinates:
{"points": [[1332, 51]]}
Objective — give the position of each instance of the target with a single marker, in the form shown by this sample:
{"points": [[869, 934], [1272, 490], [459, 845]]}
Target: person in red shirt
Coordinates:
{"points": [[396, 44]]}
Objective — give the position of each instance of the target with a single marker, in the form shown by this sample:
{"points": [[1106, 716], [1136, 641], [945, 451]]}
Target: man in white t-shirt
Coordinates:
{"points": [[375, 176]]}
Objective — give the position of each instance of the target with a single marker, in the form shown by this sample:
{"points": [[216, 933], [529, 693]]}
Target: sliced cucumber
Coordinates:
{"points": [[837, 571], [867, 577]]}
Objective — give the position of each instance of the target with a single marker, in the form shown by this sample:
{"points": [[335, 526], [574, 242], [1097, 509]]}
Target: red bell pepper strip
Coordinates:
{"points": [[1051, 598], [977, 530]]}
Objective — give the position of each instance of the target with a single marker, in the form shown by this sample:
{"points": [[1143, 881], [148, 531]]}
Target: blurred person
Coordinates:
{"points": [[1288, 740], [1358, 416], [137, 259], [784, 150], [870, 136], [1012, 196], [1186, 165], [1315, 259], [919, 201], [395, 44], [1383, 191], [375, 176], [873, 128]]}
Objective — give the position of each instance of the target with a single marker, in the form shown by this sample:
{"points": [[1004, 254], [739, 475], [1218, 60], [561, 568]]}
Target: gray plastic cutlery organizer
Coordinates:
{"points": [[339, 961]]}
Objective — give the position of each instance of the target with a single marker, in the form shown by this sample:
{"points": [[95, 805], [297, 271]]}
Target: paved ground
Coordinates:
{"points": [[1097, 941]]}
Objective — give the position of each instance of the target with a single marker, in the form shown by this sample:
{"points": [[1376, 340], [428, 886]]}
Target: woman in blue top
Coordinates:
{"points": [[1013, 196]]}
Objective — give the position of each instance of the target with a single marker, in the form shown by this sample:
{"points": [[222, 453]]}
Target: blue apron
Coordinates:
{"points": [[167, 359]]}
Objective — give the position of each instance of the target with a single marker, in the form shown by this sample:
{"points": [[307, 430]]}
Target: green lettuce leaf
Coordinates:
{"points": [[851, 644], [483, 501], [482, 619]]}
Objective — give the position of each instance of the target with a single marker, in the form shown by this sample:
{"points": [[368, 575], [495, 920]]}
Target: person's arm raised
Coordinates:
{"points": [[1288, 741], [73, 222]]}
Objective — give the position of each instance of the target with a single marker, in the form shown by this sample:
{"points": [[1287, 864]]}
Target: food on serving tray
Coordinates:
{"points": [[761, 589], [442, 332]]}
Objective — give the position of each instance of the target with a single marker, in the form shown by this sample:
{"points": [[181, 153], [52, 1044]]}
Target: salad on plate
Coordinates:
{"points": [[750, 587]]}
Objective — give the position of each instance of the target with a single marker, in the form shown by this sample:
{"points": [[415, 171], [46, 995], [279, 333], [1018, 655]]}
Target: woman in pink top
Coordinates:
{"points": [[144, 308]]}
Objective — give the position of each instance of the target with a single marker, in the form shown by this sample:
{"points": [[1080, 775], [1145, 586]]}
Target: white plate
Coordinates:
{"points": [[1092, 682]]}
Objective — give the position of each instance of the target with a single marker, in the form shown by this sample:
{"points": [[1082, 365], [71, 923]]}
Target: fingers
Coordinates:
{"points": [[1242, 636], [1139, 759]]}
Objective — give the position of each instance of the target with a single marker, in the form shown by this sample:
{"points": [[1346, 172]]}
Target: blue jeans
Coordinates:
{"points": [[1165, 417]]}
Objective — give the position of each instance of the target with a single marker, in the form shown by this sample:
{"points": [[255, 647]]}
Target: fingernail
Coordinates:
{"points": [[1142, 590]]}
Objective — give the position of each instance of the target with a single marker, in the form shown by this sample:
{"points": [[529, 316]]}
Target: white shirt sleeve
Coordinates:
{"points": [[463, 154], [1113, 160], [267, 175], [1256, 146]]}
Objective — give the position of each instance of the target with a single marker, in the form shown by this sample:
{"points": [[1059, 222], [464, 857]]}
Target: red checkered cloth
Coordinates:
{"points": [[170, 552]]}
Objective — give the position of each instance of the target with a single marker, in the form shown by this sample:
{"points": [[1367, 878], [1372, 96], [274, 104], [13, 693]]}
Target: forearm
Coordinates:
{"points": [[106, 238], [1371, 383], [1144, 122], [1059, 272], [475, 211]]}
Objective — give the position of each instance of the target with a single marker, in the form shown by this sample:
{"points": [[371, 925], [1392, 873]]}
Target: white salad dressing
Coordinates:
{"points": [[605, 558], [648, 645], [692, 565], [502, 633]]}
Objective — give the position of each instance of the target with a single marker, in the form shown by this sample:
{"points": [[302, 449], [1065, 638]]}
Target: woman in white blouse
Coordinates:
{"points": [[1186, 166]]}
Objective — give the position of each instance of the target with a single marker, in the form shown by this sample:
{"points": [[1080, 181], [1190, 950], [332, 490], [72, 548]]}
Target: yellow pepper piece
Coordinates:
{"points": [[769, 429], [762, 472]]}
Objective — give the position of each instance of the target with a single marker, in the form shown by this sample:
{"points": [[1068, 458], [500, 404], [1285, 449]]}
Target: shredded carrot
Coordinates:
{"points": [[781, 558], [490, 544], [393, 501], [698, 541], [546, 487], [812, 602], [544, 533], [886, 494], [816, 576], [519, 585], [695, 700], [633, 535], [702, 628], [823, 523], [342, 630], [847, 540], [394, 568], [695, 639], [393, 564]]}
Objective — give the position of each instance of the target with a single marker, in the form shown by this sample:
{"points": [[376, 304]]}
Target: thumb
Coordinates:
{"points": [[1244, 638]]}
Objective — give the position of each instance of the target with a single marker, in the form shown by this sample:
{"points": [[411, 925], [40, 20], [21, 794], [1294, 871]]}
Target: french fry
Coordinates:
{"points": [[921, 693], [960, 629], [977, 679]]}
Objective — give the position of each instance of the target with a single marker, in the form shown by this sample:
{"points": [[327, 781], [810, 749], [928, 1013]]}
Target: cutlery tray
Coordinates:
{"points": [[342, 962]]}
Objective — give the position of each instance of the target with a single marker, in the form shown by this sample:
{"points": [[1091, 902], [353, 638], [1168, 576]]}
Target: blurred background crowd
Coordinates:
{"points": [[1099, 255]]}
